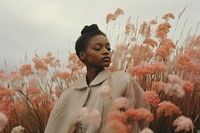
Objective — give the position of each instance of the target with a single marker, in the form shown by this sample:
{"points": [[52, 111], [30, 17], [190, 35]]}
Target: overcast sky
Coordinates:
{"points": [[27, 26]]}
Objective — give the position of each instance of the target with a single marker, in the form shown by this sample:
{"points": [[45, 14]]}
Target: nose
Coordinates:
{"points": [[105, 51]]}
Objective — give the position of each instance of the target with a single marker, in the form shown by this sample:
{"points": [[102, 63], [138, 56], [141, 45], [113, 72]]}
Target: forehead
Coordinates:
{"points": [[98, 39]]}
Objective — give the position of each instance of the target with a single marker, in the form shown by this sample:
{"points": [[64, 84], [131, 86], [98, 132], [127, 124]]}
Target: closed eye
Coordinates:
{"points": [[97, 49]]}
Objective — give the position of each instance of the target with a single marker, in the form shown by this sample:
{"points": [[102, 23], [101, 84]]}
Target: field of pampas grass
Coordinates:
{"points": [[167, 68]]}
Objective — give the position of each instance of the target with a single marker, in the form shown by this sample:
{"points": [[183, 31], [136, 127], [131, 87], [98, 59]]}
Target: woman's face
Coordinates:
{"points": [[97, 53]]}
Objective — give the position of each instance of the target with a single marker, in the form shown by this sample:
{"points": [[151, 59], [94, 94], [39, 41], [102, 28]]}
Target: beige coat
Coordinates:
{"points": [[63, 118]]}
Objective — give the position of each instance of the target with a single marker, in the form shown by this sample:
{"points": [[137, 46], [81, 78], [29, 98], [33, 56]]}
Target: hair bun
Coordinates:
{"points": [[90, 28]]}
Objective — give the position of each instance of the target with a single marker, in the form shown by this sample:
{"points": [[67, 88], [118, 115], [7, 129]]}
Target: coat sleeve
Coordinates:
{"points": [[57, 115], [135, 95], [124, 85]]}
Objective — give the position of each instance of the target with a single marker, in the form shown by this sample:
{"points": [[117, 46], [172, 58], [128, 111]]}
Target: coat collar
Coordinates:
{"points": [[81, 82]]}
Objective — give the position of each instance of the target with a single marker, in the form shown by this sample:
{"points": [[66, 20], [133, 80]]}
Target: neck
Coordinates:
{"points": [[92, 73]]}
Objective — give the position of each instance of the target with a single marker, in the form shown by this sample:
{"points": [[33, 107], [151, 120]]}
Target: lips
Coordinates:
{"points": [[106, 59]]}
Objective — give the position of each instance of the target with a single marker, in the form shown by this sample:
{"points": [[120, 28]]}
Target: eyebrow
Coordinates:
{"points": [[102, 44]]}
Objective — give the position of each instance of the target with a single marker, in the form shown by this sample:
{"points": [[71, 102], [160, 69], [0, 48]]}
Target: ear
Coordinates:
{"points": [[82, 55]]}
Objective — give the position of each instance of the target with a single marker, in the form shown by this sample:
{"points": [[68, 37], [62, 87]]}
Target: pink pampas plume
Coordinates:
{"points": [[175, 86], [115, 127], [95, 118], [140, 113], [18, 129], [152, 97], [105, 91], [3, 121], [86, 118], [168, 108], [183, 123], [188, 86], [120, 104], [117, 115], [146, 130], [174, 90]]}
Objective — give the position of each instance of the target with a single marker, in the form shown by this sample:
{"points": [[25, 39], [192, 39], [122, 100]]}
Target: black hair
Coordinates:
{"points": [[86, 34]]}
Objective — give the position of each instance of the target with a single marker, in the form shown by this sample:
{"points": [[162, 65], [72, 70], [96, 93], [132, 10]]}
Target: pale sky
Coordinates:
{"points": [[27, 26]]}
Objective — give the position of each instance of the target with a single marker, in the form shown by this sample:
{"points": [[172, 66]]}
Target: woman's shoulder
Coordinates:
{"points": [[121, 75], [119, 72], [120, 78], [78, 83], [67, 92]]}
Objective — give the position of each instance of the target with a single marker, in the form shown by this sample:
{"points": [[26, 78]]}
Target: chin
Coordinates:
{"points": [[107, 65]]}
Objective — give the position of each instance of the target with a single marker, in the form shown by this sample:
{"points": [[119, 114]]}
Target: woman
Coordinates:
{"points": [[93, 49]]}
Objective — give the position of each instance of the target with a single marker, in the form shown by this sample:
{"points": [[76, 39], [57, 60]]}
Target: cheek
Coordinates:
{"points": [[93, 56], [110, 54]]}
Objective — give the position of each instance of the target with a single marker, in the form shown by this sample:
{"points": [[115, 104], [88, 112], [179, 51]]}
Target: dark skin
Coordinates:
{"points": [[96, 57]]}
